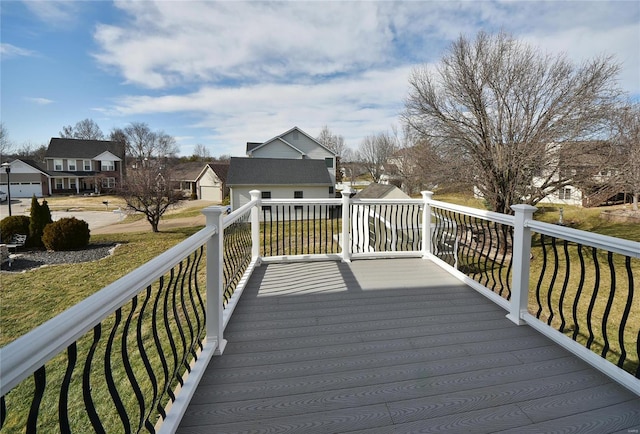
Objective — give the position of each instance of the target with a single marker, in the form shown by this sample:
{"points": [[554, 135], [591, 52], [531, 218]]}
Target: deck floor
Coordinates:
{"points": [[393, 346]]}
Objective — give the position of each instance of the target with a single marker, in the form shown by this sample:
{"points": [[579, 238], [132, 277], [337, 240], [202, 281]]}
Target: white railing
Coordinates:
{"points": [[491, 252]]}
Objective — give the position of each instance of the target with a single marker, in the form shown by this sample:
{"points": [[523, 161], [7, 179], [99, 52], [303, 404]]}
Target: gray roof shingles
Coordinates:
{"points": [[80, 148], [277, 171]]}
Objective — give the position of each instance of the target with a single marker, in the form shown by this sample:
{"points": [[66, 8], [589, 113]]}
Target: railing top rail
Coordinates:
{"points": [[29, 352], [239, 213], [604, 242], [504, 219], [388, 201], [301, 201]]}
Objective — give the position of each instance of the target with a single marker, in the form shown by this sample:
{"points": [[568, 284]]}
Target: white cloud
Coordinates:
{"points": [[7, 51], [245, 71], [57, 13], [39, 101]]}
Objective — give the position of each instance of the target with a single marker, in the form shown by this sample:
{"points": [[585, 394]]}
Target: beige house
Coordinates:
{"points": [[211, 183]]}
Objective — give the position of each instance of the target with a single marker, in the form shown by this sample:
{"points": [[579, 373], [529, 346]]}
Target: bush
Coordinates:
{"points": [[40, 217], [66, 234], [17, 224]]}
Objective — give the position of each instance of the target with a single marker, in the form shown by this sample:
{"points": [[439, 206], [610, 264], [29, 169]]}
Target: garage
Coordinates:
{"points": [[25, 189], [212, 193]]}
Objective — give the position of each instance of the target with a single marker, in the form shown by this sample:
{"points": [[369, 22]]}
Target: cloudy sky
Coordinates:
{"points": [[223, 73]]}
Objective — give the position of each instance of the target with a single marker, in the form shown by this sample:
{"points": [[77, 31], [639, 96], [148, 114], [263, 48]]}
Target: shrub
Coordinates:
{"points": [[17, 224], [40, 217], [66, 234]]}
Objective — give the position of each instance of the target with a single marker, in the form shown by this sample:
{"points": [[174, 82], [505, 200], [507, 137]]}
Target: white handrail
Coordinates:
{"points": [[25, 355], [604, 242], [504, 219]]}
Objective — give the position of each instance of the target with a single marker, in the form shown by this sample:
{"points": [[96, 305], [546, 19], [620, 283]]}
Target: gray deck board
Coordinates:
{"points": [[392, 346]]}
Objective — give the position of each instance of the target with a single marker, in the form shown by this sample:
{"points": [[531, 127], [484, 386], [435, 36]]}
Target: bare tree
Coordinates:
{"points": [[148, 191], [201, 153], [166, 146], [86, 129], [375, 151], [334, 142], [509, 112], [5, 143], [32, 151], [141, 141], [627, 141]]}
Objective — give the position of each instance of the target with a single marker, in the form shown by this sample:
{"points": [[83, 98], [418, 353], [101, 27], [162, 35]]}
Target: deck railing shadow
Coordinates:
{"points": [[134, 352]]}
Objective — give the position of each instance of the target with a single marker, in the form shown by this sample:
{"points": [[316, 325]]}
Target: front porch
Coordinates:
{"points": [[392, 345]]}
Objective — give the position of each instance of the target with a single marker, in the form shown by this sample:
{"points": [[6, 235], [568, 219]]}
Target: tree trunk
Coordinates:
{"points": [[635, 201]]}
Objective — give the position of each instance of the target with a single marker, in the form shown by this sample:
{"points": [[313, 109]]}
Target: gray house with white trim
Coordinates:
{"points": [[278, 178]]}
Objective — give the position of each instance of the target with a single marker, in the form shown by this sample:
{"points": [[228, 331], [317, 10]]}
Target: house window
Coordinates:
{"points": [[59, 183], [328, 162], [72, 183], [72, 165], [57, 165], [86, 164], [564, 193], [266, 195], [108, 182], [331, 190], [297, 195], [107, 166]]}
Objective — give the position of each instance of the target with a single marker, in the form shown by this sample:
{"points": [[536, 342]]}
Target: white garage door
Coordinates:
{"points": [[25, 189], [210, 193]]}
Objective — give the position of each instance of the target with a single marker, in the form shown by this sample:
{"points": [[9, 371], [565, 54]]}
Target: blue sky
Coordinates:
{"points": [[225, 73]]}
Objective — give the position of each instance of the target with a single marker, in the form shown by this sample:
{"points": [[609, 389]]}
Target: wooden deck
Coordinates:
{"points": [[393, 346]]}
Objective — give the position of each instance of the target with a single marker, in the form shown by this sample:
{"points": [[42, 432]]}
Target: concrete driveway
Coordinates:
{"points": [[95, 219]]}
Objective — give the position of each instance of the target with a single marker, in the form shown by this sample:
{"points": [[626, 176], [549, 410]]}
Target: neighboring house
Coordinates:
{"points": [[380, 227], [278, 178], [27, 178], [184, 177], [294, 144], [211, 182], [82, 166]]}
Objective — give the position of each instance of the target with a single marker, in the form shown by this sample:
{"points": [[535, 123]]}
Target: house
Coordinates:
{"points": [[294, 144], [78, 165], [379, 226], [28, 178], [278, 178], [211, 182]]}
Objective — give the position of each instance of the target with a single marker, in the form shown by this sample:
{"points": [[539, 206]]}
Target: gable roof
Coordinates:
{"points": [[187, 171], [379, 191], [220, 169], [277, 171], [80, 148], [252, 146], [33, 164]]}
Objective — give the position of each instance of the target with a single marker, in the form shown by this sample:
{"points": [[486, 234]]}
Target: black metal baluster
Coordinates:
{"points": [[3, 411], [147, 363], [108, 372], [583, 270], [159, 349], [133, 381], [553, 279], [86, 382], [625, 314], [40, 380], [607, 310], [565, 284], [63, 402], [174, 349], [543, 245], [594, 296]]}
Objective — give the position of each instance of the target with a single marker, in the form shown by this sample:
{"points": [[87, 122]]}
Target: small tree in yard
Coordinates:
{"points": [[148, 191], [40, 217]]}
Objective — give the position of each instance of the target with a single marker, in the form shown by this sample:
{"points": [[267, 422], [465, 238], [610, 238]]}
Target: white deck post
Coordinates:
{"points": [[255, 223], [521, 259], [215, 289], [426, 223], [346, 225]]}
